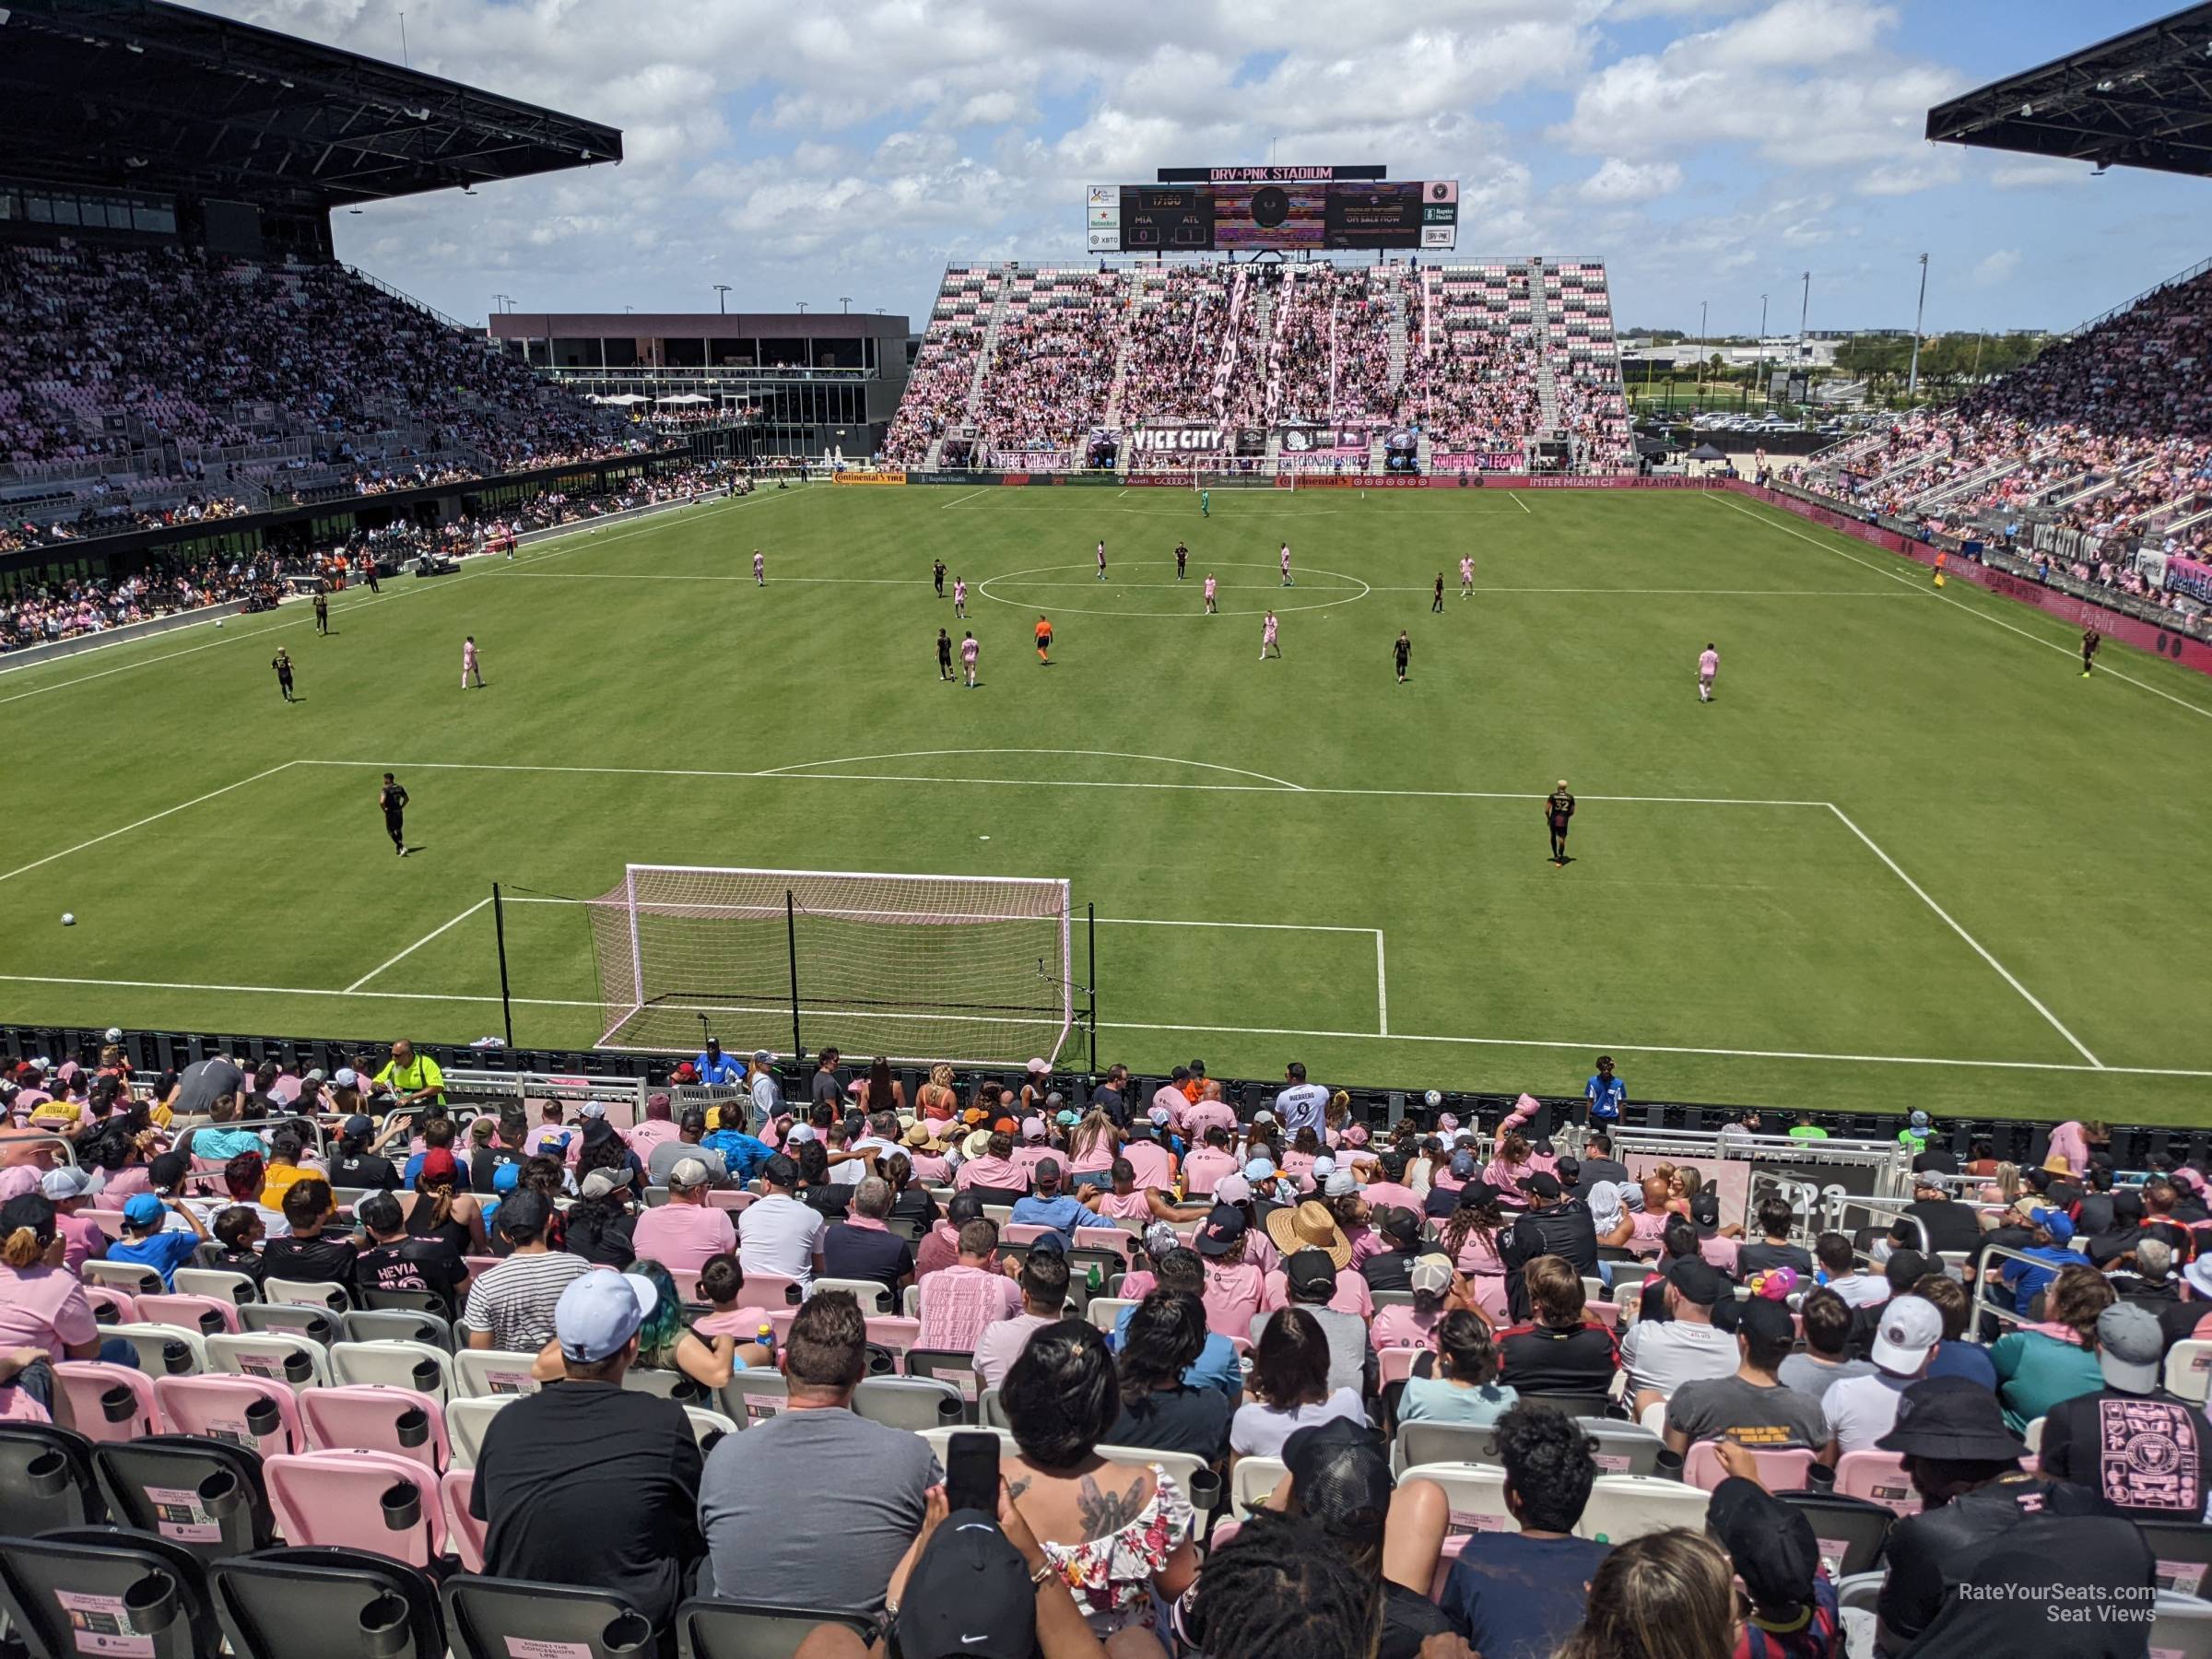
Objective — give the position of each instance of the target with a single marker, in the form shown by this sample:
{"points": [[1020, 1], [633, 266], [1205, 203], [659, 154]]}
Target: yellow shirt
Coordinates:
{"points": [[419, 1073], [280, 1179]]}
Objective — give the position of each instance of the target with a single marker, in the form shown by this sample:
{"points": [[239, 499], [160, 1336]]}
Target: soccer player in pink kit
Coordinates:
{"points": [[959, 597], [1709, 665], [1267, 640], [1466, 578], [1286, 560], [468, 664], [760, 569], [967, 653], [1211, 589]]}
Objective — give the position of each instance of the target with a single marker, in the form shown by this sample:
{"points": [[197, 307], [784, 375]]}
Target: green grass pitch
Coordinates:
{"points": [[1907, 856]]}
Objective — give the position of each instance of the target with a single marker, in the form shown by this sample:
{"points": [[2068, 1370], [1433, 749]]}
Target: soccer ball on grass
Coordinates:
{"points": [[68, 918]]}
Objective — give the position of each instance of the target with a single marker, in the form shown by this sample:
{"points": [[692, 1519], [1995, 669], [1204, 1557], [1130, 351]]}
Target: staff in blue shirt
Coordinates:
{"points": [[1606, 1093], [742, 1154], [716, 1069]]}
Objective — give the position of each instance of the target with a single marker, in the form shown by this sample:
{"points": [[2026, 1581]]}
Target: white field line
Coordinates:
{"points": [[1685, 593], [970, 496], [785, 774], [1929, 592], [1082, 754], [1381, 990], [1518, 502], [418, 943], [1091, 586], [1975, 945], [659, 576], [1580, 1045], [553, 547], [152, 818]]}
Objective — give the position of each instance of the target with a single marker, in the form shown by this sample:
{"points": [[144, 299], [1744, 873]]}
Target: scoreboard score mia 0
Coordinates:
{"points": [[1320, 215]]}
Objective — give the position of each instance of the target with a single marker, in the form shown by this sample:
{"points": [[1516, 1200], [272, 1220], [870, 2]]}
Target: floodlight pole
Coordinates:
{"points": [[1701, 354], [1912, 377], [1761, 369], [721, 302]]}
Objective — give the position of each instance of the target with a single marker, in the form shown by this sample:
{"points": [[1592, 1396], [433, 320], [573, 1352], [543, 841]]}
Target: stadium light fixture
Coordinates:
{"points": [[722, 302]]}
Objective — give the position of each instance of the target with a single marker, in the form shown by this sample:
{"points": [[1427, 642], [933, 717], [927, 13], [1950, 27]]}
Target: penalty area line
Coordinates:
{"points": [[1581, 1046], [418, 943]]}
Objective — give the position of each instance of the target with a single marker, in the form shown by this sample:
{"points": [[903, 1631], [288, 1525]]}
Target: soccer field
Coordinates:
{"points": [[1907, 857]]}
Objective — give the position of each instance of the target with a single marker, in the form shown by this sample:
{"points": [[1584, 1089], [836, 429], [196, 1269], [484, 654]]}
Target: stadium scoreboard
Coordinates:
{"points": [[1253, 214]]}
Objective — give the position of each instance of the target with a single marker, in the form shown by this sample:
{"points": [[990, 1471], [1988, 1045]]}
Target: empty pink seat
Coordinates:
{"points": [[105, 1402], [375, 1417], [252, 1412], [111, 1306], [464, 1533], [1395, 1364], [1779, 1471], [1023, 1233], [351, 1499], [1879, 1475], [193, 1313], [770, 1291], [1105, 1238], [891, 1331]]}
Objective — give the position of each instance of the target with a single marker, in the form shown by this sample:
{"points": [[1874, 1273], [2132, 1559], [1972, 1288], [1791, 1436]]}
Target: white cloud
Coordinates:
{"points": [[2039, 173], [1996, 267], [1620, 180]]}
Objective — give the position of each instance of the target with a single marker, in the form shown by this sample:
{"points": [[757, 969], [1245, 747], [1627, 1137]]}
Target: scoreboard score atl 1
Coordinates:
{"points": [[1252, 216]]}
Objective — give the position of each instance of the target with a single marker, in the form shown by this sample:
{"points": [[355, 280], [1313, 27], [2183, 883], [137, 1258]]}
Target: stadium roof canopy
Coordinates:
{"points": [[141, 94], [2142, 98]]}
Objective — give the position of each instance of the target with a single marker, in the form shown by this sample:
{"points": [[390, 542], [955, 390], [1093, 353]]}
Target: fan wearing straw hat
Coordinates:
{"points": [[1316, 1255]]}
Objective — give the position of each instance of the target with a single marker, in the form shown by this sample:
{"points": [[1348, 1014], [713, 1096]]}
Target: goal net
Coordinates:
{"points": [[918, 967]]}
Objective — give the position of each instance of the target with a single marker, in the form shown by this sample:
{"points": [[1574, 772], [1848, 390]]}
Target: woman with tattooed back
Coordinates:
{"points": [[1114, 1532]]}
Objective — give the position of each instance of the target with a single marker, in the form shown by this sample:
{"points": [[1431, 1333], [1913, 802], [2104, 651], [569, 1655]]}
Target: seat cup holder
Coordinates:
{"points": [[412, 1427], [402, 1506], [151, 1603]]}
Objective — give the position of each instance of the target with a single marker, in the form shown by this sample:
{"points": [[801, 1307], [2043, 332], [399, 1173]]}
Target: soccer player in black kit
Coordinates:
{"points": [[1402, 649], [944, 655], [322, 612], [2090, 641], [938, 575], [1437, 604], [392, 801], [1183, 557], [282, 663], [1558, 809]]}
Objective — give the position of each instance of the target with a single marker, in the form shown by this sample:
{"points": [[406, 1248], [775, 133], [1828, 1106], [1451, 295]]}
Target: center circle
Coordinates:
{"points": [[1194, 587]]}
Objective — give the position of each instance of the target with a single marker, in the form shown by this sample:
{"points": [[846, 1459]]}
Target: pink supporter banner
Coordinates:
{"points": [[2113, 625]]}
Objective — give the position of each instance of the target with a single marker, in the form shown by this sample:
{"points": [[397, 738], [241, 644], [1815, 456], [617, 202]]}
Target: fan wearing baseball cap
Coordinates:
{"points": [[1661, 1355], [2037, 1543], [2145, 1451], [1751, 1408], [145, 1240], [1860, 1410], [587, 1482]]}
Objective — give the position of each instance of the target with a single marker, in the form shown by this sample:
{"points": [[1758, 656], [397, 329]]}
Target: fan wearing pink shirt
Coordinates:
{"points": [[960, 1301], [1168, 1098], [1205, 1165], [995, 1169], [1150, 1164], [1437, 1290], [1235, 1289], [41, 1304], [1391, 1192], [686, 1232], [721, 1287], [1470, 1239], [1092, 1148], [1211, 1112], [1510, 1168], [1128, 1201], [1036, 1148], [659, 1126]]}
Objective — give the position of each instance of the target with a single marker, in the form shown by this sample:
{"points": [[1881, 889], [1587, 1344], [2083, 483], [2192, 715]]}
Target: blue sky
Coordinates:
{"points": [[1709, 150]]}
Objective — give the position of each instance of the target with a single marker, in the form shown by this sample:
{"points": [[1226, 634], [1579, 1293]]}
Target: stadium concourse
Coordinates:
{"points": [[600, 1366]]}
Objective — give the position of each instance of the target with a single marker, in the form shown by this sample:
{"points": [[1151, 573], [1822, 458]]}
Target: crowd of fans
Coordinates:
{"points": [[1254, 345], [41, 613], [2108, 433], [1287, 1282], [148, 361]]}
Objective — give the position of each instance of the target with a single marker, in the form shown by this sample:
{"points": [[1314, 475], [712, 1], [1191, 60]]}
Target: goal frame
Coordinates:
{"points": [[1060, 911]]}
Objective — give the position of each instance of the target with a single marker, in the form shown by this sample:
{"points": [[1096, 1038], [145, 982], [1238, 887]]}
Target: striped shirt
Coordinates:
{"points": [[514, 1302]]}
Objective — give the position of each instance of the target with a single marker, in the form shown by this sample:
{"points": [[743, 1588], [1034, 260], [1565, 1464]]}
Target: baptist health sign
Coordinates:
{"points": [[1103, 217]]}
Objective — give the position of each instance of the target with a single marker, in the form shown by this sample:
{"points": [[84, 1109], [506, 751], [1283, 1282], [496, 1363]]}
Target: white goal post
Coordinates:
{"points": [[973, 969]]}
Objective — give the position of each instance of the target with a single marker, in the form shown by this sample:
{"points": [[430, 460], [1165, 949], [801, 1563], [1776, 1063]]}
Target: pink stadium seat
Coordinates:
{"points": [[1879, 1475], [1022, 1233], [464, 1532], [250, 1411], [1395, 1364], [1779, 1471], [106, 1402], [1105, 1238], [193, 1313], [372, 1416], [893, 1331], [376, 1500], [111, 1306], [1449, 1554], [768, 1290], [1606, 1313]]}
